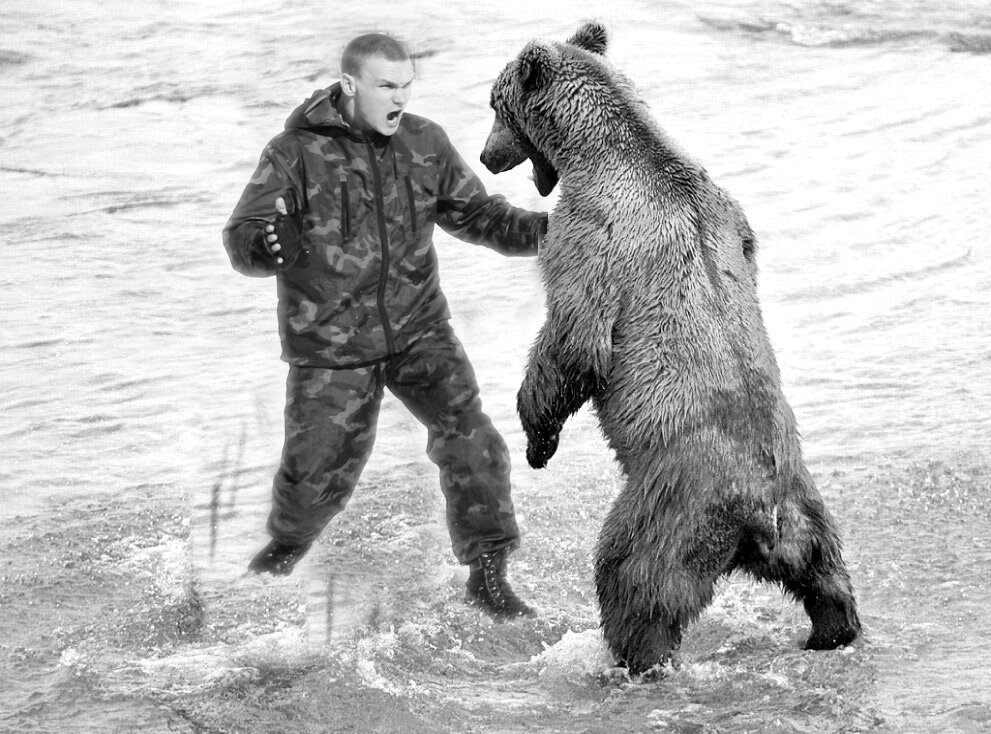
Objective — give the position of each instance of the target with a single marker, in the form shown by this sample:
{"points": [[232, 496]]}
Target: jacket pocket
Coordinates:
{"points": [[345, 209], [412, 204]]}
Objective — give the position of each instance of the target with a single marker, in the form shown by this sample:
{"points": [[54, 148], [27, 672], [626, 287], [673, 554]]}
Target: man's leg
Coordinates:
{"points": [[435, 380], [330, 420]]}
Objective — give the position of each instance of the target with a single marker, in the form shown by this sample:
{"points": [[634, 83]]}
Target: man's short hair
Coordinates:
{"points": [[372, 44]]}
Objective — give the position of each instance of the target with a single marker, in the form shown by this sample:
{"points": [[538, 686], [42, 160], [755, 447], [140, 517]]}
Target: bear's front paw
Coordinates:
{"points": [[540, 448]]}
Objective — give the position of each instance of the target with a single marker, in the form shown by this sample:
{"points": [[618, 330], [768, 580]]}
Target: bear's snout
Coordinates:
{"points": [[502, 150]]}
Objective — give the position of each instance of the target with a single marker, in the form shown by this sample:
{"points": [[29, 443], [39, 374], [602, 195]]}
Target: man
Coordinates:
{"points": [[341, 209]]}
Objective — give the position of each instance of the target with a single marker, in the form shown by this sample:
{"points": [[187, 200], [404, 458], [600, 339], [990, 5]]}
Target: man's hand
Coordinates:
{"points": [[282, 239]]}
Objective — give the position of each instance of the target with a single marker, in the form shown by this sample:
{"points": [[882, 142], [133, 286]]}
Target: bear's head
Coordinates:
{"points": [[541, 100]]}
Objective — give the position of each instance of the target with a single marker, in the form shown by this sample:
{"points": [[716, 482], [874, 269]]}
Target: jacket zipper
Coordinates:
{"points": [[384, 240]]}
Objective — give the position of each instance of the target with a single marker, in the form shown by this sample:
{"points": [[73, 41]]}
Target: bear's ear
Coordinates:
{"points": [[535, 67], [591, 37]]}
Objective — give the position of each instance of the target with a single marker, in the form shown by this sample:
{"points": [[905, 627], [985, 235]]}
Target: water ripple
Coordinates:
{"points": [[834, 289]]}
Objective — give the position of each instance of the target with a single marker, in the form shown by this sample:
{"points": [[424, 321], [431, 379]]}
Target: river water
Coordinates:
{"points": [[141, 396]]}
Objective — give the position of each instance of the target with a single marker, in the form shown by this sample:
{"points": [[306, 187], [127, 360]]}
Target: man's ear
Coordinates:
{"points": [[591, 37], [535, 67], [348, 84]]}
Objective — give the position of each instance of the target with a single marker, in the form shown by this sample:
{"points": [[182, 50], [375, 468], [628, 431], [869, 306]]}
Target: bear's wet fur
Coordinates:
{"points": [[652, 314]]}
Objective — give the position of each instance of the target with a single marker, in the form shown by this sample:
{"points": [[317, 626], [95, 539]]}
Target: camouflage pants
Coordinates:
{"points": [[331, 417]]}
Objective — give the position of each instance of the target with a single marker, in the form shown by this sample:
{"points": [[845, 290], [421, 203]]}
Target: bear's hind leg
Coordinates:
{"points": [[653, 645], [648, 590], [642, 617], [834, 619], [657, 562], [807, 562]]}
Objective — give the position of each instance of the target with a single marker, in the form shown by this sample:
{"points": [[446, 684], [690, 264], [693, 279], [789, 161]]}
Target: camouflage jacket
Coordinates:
{"points": [[366, 284]]}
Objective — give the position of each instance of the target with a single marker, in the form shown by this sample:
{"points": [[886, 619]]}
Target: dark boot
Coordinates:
{"points": [[489, 589], [277, 558]]}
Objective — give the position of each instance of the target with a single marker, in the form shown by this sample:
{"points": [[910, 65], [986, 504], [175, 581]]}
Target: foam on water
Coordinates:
{"points": [[576, 654]]}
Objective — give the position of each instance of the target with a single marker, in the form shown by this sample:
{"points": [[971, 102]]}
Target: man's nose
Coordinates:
{"points": [[401, 96]]}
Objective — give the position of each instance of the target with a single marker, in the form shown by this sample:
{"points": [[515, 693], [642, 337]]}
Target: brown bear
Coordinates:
{"points": [[652, 314]]}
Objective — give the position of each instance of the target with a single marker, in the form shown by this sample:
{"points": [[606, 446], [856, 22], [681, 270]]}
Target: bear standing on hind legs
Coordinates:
{"points": [[652, 314]]}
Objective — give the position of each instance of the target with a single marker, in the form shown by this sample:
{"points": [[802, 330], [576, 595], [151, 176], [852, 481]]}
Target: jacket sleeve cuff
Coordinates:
{"points": [[541, 231]]}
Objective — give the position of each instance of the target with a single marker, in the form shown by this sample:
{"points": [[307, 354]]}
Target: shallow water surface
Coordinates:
{"points": [[140, 409]]}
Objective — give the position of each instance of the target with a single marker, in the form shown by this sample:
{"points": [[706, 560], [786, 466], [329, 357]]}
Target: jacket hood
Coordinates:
{"points": [[319, 110]]}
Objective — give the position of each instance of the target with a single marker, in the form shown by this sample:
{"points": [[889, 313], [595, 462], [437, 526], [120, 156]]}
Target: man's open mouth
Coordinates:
{"points": [[394, 115]]}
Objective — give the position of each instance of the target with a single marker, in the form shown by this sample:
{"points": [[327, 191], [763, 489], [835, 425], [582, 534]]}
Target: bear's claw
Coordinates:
{"points": [[540, 450]]}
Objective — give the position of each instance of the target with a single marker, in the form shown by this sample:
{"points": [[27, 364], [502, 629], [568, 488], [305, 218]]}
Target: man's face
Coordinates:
{"points": [[380, 91]]}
